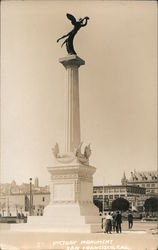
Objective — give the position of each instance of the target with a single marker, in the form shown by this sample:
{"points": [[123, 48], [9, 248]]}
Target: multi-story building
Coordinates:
{"points": [[10, 188], [20, 203], [146, 179], [2, 204], [16, 198], [134, 194]]}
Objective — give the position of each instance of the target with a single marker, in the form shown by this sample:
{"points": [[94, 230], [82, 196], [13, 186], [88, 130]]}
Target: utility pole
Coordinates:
{"points": [[30, 207], [103, 201]]}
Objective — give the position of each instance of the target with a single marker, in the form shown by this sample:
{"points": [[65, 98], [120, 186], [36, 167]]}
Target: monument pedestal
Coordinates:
{"points": [[71, 207]]}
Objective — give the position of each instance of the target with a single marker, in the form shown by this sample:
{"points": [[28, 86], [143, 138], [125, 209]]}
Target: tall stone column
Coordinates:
{"points": [[72, 109], [71, 207]]}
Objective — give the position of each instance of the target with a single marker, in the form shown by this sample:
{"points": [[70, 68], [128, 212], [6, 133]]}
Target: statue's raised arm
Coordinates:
{"points": [[86, 20], [70, 36]]}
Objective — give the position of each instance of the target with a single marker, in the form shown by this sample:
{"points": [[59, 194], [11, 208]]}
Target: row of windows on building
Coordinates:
{"points": [[101, 190], [151, 191], [149, 185], [105, 190], [121, 190], [108, 197]]}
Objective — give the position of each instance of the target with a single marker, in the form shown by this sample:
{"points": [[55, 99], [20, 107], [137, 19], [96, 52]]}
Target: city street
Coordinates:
{"points": [[143, 236]]}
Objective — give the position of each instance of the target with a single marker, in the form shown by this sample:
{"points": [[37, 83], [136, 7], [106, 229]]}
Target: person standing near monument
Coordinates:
{"points": [[118, 222], [114, 222], [108, 223], [103, 220], [130, 220]]}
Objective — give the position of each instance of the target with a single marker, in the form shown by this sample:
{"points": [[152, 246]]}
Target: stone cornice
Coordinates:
{"points": [[71, 60], [72, 169]]}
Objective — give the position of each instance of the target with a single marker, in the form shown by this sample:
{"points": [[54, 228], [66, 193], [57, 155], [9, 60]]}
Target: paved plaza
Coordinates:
{"points": [[143, 236]]}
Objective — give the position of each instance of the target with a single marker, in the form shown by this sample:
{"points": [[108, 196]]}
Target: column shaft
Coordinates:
{"points": [[72, 109], [72, 113]]}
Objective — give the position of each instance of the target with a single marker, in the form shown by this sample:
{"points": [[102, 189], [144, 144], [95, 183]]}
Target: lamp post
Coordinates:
{"points": [[30, 207], [103, 201]]}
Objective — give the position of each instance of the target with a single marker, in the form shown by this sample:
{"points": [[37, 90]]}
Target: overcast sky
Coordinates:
{"points": [[117, 86]]}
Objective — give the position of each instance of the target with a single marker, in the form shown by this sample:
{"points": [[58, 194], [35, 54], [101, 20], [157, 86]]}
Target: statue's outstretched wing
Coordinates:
{"points": [[71, 18]]}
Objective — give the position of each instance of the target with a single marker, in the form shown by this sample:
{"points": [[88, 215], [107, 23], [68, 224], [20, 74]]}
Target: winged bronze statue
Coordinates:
{"points": [[70, 36]]}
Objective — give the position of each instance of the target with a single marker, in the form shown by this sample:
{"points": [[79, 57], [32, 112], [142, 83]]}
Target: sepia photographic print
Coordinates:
{"points": [[78, 125]]}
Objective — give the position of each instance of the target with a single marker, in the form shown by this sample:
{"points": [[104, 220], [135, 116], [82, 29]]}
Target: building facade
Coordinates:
{"points": [[146, 179], [13, 204], [106, 194], [15, 198]]}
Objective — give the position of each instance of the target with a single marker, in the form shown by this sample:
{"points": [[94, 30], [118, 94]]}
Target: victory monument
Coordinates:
{"points": [[71, 207]]}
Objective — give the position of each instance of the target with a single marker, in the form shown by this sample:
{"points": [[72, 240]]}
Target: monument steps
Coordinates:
{"points": [[66, 220], [76, 228]]}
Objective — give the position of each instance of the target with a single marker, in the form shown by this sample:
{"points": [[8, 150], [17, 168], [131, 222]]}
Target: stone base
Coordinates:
{"points": [[74, 218], [71, 207], [72, 210], [40, 227]]}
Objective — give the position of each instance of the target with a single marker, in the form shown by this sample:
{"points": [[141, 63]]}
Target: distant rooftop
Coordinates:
{"points": [[143, 176]]}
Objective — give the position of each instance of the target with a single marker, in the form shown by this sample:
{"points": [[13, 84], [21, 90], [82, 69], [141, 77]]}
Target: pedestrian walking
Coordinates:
{"points": [[118, 222], [130, 220]]}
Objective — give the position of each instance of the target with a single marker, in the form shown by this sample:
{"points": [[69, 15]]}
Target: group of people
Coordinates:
{"points": [[112, 222]]}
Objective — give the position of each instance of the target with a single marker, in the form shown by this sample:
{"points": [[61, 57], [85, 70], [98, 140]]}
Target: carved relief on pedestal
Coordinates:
{"points": [[61, 157], [70, 157], [83, 157], [63, 192]]}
